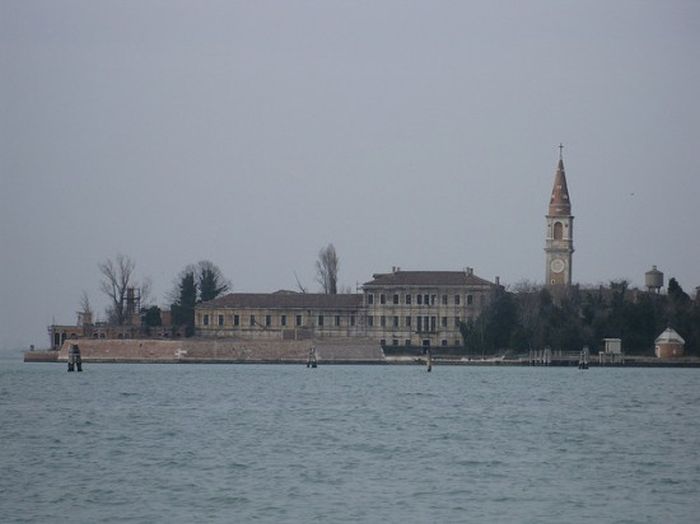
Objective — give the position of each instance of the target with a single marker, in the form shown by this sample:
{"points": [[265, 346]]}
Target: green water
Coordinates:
{"points": [[224, 443]]}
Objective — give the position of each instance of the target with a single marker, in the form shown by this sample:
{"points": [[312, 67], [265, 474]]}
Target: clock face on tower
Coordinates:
{"points": [[557, 265]]}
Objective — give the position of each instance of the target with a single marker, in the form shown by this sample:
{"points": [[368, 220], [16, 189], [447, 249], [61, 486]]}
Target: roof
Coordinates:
{"points": [[287, 299], [560, 203], [669, 335], [427, 278]]}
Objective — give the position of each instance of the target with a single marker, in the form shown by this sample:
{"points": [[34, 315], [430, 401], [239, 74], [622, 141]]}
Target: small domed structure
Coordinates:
{"points": [[669, 344], [654, 280]]}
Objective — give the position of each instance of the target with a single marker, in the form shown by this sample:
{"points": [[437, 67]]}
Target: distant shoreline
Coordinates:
{"points": [[630, 361]]}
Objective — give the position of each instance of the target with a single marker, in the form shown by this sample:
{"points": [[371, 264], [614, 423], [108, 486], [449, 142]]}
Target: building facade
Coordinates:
{"points": [[559, 240], [400, 308]]}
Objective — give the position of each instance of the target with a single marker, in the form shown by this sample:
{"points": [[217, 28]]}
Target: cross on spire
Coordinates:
{"points": [[561, 149]]}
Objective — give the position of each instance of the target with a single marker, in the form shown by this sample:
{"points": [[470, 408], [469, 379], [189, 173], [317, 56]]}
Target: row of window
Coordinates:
{"points": [[407, 342], [422, 323], [425, 323], [266, 321], [422, 299]]}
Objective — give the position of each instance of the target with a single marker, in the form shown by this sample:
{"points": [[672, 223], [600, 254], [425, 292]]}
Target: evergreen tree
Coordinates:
{"points": [[183, 308], [211, 280]]}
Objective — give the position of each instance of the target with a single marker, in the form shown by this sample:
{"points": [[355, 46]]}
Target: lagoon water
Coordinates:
{"points": [[275, 443]]}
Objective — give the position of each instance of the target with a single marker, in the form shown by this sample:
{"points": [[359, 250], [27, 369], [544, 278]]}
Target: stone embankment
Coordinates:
{"points": [[328, 351], [221, 350]]}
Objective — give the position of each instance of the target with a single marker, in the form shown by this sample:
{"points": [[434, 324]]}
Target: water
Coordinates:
{"points": [[224, 443]]}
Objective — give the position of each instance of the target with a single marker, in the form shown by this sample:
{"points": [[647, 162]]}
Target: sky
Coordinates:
{"points": [[415, 134]]}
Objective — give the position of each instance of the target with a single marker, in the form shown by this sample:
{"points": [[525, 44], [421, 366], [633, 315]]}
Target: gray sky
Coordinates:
{"points": [[417, 134]]}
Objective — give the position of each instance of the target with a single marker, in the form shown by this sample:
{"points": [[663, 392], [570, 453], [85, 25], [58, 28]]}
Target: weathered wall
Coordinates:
{"points": [[222, 350]]}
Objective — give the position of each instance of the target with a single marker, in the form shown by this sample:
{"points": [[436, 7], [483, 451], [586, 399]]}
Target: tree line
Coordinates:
{"points": [[531, 318], [195, 284]]}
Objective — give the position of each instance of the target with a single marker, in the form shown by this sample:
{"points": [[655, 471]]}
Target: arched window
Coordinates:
{"points": [[558, 231]]}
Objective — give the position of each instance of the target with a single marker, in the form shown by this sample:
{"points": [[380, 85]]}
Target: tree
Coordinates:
{"points": [[211, 280], [117, 275], [85, 312], [185, 299], [151, 317], [327, 270]]}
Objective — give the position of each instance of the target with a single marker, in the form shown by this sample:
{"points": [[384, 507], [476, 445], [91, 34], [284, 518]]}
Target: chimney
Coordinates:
{"points": [[469, 271], [498, 281]]}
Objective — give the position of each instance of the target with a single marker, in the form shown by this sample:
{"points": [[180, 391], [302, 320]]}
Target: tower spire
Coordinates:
{"points": [[559, 203], [559, 245]]}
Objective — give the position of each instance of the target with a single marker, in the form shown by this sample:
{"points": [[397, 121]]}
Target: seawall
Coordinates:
{"points": [[220, 350]]}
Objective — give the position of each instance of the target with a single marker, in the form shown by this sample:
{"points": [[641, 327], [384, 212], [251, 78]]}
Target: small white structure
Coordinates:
{"points": [[669, 344], [613, 345]]}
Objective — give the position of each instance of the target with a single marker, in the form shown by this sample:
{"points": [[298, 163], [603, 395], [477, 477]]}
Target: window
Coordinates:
{"points": [[470, 300], [206, 320], [298, 320], [268, 320], [457, 322], [432, 299], [370, 321], [382, 298], [252, 320], [395, 342], [221, 320], [457, 300], [419, 323], [444, 300], [382, 321], [283, 320], [337, 320], [396, 298], [320, 320], [408, 300], [396, 322], [444, 342], [458, 342], [558, 231], [443, 321], [236, 320], [426, 299], [419, 299], [407, 342], [382, 342], [426, 323], [370, 298], [433, 322], [408, 321], [352, 320]]}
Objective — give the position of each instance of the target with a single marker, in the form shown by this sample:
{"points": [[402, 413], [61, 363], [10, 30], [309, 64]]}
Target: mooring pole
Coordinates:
{"points": [[74, 360]]}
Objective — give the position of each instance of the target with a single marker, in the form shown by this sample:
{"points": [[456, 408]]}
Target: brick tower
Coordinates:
{"points": [[559, 245]]}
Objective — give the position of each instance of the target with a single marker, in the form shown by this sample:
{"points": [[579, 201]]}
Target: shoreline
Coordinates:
{"points": [[629, 361]]}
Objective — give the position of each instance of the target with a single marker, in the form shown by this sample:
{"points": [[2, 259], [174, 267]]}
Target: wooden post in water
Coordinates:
{"points": [[312, 362], [74, 360], [430, 360], [583, 358]]}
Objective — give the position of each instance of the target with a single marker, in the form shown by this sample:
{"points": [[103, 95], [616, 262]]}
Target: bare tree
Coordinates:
{"points": [[85, 312], [116, 279], [145, 289], [327, 269], [302, 288]]}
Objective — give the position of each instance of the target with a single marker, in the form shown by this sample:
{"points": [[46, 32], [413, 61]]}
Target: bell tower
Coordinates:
{"points": [[559, 242]]}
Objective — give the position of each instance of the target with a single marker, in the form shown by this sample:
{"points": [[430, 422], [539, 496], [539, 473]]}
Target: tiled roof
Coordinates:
{"points": [[427, 278], [560, 204], [286, 300]]}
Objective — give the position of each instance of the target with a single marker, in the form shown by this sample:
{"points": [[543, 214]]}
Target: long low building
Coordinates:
{"points": [[407, 308]]}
